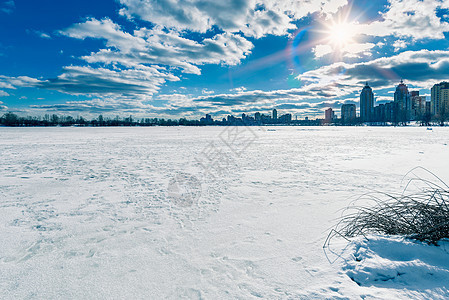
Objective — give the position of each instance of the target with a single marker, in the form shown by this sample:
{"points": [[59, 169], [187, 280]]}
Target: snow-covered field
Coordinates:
{"points": [[213, 213]]}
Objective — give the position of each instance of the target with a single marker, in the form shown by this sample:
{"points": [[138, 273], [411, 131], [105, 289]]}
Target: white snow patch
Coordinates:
{"points": [[400, 267]]}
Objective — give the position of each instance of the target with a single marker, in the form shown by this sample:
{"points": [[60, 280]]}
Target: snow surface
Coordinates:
{"points": [[396, 264], [213, 213]]}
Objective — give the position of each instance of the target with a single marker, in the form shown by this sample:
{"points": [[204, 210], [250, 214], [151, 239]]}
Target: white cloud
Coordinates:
{"points": [[238, 89], [8, 6], [76, 80], [420, 68], [328, 85], [321, 87], [157, 46], [109, 31], [322, 50], [409, 18], [353, 49], [2, 106], [3, 94], [140, 61], [39, 33], [102, 81], [207, 92], [262, 22], [255, 18], [95, 107], [176, 99], [20, 81], [399, 44], [4, 84], [44, 35]]}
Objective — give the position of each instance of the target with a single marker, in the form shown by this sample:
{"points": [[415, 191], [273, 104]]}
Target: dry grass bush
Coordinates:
{"points": [[422, 215]]}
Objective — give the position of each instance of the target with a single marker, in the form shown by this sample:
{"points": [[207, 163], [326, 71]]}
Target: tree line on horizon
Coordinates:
{"points": [[13, 120], [10, 119]]}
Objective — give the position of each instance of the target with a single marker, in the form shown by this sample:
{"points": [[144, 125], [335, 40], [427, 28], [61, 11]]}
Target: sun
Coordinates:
{"points": [[340, 34]]}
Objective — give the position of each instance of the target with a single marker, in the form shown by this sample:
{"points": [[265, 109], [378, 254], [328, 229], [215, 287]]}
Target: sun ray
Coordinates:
{"points": [[339, 32]]}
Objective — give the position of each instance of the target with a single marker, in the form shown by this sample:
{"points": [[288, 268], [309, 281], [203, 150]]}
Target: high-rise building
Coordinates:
{"points": [[439, 99], [428, 108], [348, 113], [418, 109], [329, 115], [403, 105], [275, 115], [389, 111], [379, 113], [207, 120], [285, 119], [366, 103]]}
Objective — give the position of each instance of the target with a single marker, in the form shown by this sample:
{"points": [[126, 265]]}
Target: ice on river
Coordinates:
{"points": [[212, 212]]}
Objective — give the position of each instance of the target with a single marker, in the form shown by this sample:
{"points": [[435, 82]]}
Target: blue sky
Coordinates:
{"points": [[178, 58]]}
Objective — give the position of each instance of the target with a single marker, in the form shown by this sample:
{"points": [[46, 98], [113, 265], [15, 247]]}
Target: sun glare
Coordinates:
{"points": [[340, 34]]}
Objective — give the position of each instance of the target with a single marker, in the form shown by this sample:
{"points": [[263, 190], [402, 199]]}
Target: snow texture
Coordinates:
{"points": [[208, 213], [397, 264]]}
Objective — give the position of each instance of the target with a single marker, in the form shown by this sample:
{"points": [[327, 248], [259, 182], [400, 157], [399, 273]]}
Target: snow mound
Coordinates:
{"points": [[399, 263]]}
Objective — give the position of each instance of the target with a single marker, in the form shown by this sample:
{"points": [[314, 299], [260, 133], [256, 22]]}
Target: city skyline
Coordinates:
{"points": [[124, 57], [406, 106]]}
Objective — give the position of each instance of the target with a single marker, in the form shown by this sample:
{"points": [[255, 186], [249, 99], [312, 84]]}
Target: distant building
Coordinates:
{"points": [[402, 102], [366, 103], [389, 111], [418, 109], [285, 119], [329, 115], [383, 112], [207, 120], [379, 113], [439, 100], [428, 108], [257, 116], [275, 115], [265, 119], [348, 113]]}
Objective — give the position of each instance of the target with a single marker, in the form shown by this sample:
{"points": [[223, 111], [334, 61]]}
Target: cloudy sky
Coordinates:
{"points": [[185, 58]]}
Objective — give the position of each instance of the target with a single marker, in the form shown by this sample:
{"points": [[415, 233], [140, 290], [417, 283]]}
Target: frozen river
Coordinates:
{"points": [[173, 212]]}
